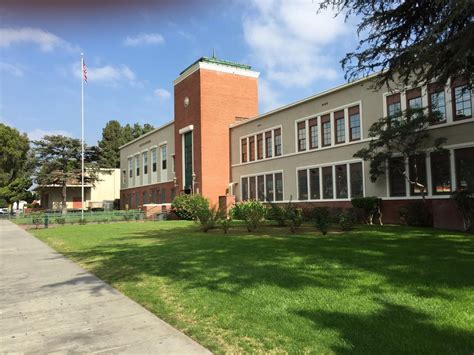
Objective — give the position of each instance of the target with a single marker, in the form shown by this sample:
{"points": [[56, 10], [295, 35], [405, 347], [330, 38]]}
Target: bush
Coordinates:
{"points": [[208, 217], [37, 220], [321, 218], [127, 217], [370, 206], [276, 213], [294, 217], [60, 220], [83, 221], [187, 206], [252, 212], [464, 200], [346, 220], [226, 222], [417, 214], [237, 211]]}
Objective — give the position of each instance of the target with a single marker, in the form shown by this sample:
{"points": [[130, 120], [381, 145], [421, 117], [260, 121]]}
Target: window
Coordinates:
{"points": [[129, 200], [414, 99], [417, 168], [326, 130], [302, 184], [394, 108], [464, 162], [173, 161], [354, 123], [137, 200], [260, 146], [437, 100], [245, 189], [313, 133], [144, 198], [244, 150], [357, 184], [396, 173], [440, 173], [252, 188], [314, 190], [269, 187], [278, 187], [340, 127], [301, 136], [137, 165], [252, 148], [130, 167], [268, 144], [277, 134], [145, 163], [124, 176], [327, 183], [163, 195], [164, 157], [341, 181], [462, 102], [154, 196], [261, 187], [153, 160], [173, 194]]}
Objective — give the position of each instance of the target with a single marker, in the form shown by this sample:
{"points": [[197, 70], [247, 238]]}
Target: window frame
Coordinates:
{"points": [[352, 112], [324, 120], [456, 84], [338, 117]]}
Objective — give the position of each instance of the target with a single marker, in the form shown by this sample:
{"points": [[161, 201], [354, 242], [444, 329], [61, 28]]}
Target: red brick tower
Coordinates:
{"points": [[208, 96]]}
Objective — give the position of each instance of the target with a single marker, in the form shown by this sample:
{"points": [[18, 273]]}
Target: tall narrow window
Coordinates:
{"points": [[145, 163], [278, 187], [314, 189], [245, 189], [163, 195], [437, 100], [354, 123], [244, 150], [269, 187], [173, 162], [328, 192], [260, 146], [462, 102], [394, 108], [414, 99], [301, 136], [130, 167], [137, 165], [153, 160], [252, 148], [261, 187], [252, 188], [188, 161], [417, 170], [440, 173], [173, 194], [326, 130], [268, 144], [340, 127], [278, 149], [464, 159], [164, 157], [313, 133], [302, 184], [357, 189], [396, 171], [144, 198], [137, 200], [341, 181]]}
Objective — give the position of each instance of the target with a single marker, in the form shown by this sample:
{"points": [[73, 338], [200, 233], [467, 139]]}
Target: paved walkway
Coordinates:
{"points": [[48, 304]]}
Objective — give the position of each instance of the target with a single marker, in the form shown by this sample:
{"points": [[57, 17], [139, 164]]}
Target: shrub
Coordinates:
{"points": [[83, 221], [321, 218], [346, 220], [37, 221], [127, 217], [294, 217], [464, 200], [186, 206], [276, 213], [370, 207], [237, 211], [60, 220], [226, 222], [252, 212], [208, 217]]}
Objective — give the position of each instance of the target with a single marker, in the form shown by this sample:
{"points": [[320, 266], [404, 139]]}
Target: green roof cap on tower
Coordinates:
{"points": [[215, 60]]}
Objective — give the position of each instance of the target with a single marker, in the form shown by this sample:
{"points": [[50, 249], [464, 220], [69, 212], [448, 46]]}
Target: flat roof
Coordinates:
{"points": [[215, 60]]}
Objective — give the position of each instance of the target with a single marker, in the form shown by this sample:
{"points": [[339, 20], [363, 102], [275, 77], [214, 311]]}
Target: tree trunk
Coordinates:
{"points": [[64, 203]]}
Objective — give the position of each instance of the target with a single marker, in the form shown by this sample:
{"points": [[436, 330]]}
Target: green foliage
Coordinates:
{"points": [[321, 219], [409, 41], [464, 200], [288, 215], [226, 223], [294, 217], [369, 206], [83, 221], [37, 220], [346, 220], [60, 220], [127, 217], [187, 206], [276, 213], [251, 212], [208, 218], [416, 214]]}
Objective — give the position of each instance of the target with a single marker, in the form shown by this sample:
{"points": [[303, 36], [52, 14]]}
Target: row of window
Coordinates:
{"points": [[441, 181], [263, 145], [308, 132], [461, 99], [144, 159], [331, 182], [268, 187], [154, 196]]}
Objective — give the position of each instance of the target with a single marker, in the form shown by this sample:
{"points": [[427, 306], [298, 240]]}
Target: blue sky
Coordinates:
{"points": [[134, 53]]}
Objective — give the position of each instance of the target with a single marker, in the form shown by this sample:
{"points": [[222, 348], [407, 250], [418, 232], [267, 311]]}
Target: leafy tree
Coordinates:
{"points": [[147, 128], [404, 136], [418, 40], [15, 165], [137, 130], [112, 139], [58, 160], [127, 133]]}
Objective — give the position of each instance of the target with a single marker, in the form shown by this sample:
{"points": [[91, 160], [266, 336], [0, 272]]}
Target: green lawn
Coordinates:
{"points": [[378, 290]]}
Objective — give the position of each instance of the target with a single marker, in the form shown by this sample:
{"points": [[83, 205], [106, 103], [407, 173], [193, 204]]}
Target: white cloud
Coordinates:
{"points": [[13, 69], [162, 94], [45, 40], [38, 134], [144, 39], [269, 97], [109, 75]]}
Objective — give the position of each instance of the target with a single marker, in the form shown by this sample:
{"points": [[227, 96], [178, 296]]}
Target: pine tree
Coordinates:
{"points": [[112, 139]]}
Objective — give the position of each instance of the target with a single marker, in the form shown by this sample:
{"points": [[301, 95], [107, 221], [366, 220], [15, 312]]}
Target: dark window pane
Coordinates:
{"points": [[261, 187], [245, 189], [327, 183], [252, 148], [269, 187], [252, 188], [278, 149], [301, 136], [397, 177], [278, 187], [462, 102], [314, 184], [268, 144], [260, 146], [440, 173], [465, 168], [417, 170], [244, 150], [357, 189], [302, 184], [341, 181]]}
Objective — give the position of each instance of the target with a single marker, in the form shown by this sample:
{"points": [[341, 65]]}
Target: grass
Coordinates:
{"points": [[374, 290]]}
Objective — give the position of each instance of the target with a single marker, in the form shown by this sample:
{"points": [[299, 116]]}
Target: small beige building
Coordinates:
{"points": [[102, 195]]}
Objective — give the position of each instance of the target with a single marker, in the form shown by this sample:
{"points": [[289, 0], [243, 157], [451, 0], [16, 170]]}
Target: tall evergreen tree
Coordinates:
{"points": [[112, 139]]}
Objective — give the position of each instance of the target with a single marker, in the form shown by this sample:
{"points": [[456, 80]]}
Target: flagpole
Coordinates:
{"points": [[82, 135]]}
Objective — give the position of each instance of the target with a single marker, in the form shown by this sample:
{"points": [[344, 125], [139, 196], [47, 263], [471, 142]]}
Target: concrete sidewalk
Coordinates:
{"points": [[49, 304]]}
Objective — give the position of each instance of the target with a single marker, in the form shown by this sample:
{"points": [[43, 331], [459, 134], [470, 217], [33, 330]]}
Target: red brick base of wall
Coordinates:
{"points": [[129, 196]]}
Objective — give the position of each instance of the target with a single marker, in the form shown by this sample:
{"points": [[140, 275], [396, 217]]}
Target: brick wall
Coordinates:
{"points": [[132, 192]]}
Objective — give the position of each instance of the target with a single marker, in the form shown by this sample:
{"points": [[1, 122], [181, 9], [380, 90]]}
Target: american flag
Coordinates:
{"points": [[84, 71]]}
